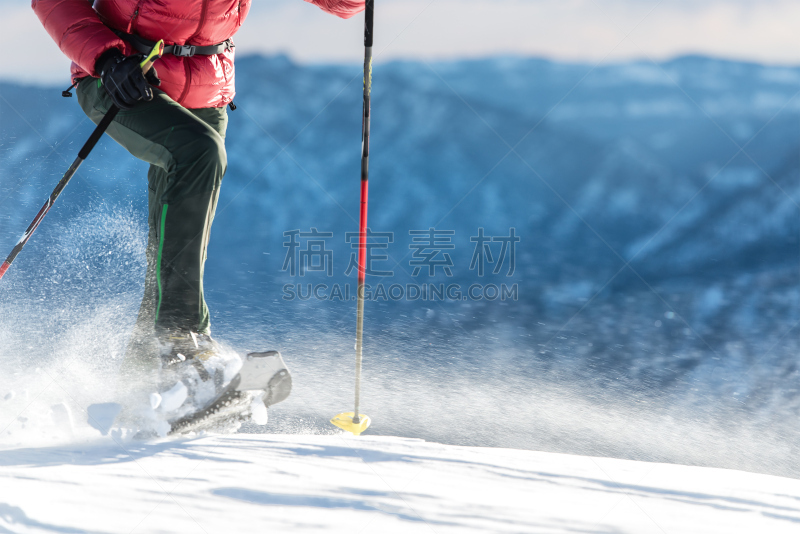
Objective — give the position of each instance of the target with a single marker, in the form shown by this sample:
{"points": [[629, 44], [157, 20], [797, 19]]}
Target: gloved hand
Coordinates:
{"points": [[123, 78]]}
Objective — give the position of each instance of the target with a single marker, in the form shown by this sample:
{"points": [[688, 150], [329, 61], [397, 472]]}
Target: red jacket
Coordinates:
{"points": [[83, 33]]}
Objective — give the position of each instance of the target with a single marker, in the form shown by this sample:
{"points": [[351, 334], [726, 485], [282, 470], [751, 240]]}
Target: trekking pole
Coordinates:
{"points": [[101, 127], [354, 421]]}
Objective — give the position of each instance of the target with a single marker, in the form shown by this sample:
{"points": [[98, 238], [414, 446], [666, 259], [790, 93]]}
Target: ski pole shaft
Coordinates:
{"points": [[98, 132], [369, 13], [82, 155]]}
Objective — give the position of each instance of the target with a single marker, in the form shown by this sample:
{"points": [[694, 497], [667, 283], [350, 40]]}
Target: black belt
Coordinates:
{"points": [[145, 46]]}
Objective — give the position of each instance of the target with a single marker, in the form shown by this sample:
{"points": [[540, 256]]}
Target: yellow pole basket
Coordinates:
{"points": [[345, 422]]}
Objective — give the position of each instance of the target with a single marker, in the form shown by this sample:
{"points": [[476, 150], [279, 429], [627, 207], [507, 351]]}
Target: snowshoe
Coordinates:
{"points": [[263, 381], [195, 373], [207, 388]]}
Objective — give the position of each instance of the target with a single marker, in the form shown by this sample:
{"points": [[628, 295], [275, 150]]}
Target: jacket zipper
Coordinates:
{"points": [[203, 10], [187, 69]]}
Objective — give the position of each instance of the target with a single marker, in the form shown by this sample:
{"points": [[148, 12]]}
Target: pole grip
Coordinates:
{"points": [[146, 64]]}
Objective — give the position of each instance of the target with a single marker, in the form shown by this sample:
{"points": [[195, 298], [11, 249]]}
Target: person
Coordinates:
{"points": [[175, 118]]}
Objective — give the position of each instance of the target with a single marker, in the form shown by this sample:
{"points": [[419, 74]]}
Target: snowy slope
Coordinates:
{"points": [[299, 484]]}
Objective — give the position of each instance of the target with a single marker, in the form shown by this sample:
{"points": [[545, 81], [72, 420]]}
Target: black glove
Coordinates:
{"points": [[123, 78]]}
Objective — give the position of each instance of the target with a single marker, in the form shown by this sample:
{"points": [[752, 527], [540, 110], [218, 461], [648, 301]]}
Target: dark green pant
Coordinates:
{"points": [[186, 152]]}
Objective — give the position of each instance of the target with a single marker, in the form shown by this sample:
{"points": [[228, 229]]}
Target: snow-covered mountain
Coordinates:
{"points": [[607, 157]]}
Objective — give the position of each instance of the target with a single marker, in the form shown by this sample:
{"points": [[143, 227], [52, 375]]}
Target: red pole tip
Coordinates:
{"points": [[4, 268]]}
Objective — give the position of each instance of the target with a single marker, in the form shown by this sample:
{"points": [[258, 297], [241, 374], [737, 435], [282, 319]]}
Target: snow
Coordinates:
{"points": [[62, 418], [102, 416], [258, 411], [174, 397], [340, 483]]}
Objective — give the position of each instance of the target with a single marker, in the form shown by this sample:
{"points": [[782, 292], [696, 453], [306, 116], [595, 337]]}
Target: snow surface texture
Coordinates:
{"points": [[342, 484], [699, 365]]}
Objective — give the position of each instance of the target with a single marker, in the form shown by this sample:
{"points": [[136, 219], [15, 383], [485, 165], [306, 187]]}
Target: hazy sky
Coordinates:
{"points": [[575, 30]]}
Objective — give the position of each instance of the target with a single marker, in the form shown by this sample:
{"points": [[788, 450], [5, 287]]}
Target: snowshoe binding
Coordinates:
{"points": [[205, 387]]}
